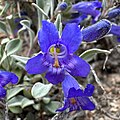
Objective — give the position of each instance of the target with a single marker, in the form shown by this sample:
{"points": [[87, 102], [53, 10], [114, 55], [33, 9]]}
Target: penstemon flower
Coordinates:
{"points": [[61, 7], [57, 55], [115, 30], [74, 97], [113, 13], [78, 12], [96, 31], [88, 8], [5, 78]]}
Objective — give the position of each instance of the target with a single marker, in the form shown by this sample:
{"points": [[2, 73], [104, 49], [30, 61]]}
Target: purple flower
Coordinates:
{"points": [[115, 30], [96, 31], [5, 78], [62, 6], [114, 13], [88, 8], [81, 10], [75, 97], [57, 56], [17, 21]]}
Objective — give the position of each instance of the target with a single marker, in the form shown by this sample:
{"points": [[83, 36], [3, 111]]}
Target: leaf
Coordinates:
{"points": [[40, 10], [97, 79], [5, 40], [47, 6], [11, 47], [37, 106], [39, 3], [3, 27], [26, 24], [20, 58], [16, 109], [88, 55], [46, 100], [40, 90], [26, 102], [4, 10], [58, 23], [20, 101], [53, 106], [15, 101], [14, 91]]}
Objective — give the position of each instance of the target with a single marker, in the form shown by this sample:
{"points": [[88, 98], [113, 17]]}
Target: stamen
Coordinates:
{"points": [[56, 63], [73, 101]]}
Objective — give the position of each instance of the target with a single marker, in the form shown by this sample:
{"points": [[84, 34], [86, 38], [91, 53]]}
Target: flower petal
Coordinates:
{"points": [[6, 77], [71, 37], [89, 90], [86, 104], [55, 76], [36, 65], [47, 36], [115, 30], [96, 31], [75, 93], [118, 39], [69, 83], [2, 92], [14, 78], [64, 107], [77, 66]]}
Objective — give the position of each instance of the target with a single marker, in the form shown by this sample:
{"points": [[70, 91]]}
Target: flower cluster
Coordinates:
{"points": [[58, 61], [5, 78], [78, 12], [75, 97], [57, 55]]}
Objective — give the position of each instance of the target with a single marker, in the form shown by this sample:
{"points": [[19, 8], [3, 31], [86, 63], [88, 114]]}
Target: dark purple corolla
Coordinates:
{"points": [[5, 78], [115, 30], [96, 31], [17, 20], [61, 7], [74, 97], [57, 56], [81, 10], [113, 13]]}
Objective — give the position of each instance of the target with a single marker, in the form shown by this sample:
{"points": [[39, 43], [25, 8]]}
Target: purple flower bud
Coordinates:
{"points": [[62, 6], [96, 31], [5, 78], [113, 13]]}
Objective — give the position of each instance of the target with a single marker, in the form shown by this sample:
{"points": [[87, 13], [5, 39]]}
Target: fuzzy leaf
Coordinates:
{"points": [[88, 55], [20, 101], [14, 91], [53, 106], [40, 90], [20, 58], [16, 109]]}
